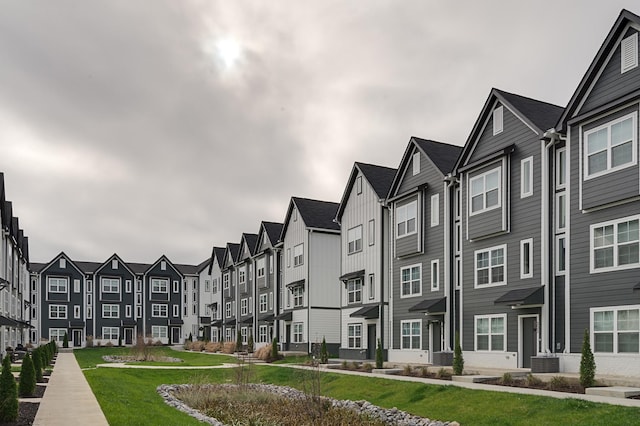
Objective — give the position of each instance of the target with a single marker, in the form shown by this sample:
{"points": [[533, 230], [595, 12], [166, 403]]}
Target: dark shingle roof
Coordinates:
{"points": [[251, 240], [138, 268], [380, 178], [273, 231], [187, 269], [443, 155], [204, 264], [218, 253], [234, 249], [317, 214], [37, 266], [543, 114], [87, 267]]}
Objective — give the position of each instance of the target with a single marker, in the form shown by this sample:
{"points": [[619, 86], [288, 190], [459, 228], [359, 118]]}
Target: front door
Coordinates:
{"points": [[436, 338], [128, 336], [529, 340], [175, 335], [371, 341], [288, 333], [77, 338]]}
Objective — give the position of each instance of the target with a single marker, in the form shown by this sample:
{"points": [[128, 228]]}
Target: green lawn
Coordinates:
{"points": [[89, 357], [138, 403]]}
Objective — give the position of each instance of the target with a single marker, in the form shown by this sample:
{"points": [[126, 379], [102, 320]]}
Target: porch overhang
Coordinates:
{"points": [[296, 284], [285, 316], [522, 297], [367, 312], [431, 306], [176, 321], [129, 323], [76, 324], [352, 275]]}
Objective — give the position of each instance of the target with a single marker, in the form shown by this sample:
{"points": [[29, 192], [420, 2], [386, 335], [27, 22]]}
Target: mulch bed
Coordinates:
{"points": [[568, 387], [26, 414]]}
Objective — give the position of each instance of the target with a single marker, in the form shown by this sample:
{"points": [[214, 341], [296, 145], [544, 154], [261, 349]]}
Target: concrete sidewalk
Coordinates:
{"points": [[68, 399]]}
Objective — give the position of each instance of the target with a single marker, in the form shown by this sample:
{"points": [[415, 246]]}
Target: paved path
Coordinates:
{"points": [[68, 399]]}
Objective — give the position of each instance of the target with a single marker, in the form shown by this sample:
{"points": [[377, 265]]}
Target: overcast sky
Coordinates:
{"points": [[166, 127]]}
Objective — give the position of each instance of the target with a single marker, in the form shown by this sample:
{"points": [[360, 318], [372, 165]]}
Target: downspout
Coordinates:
{"points": [[382, 279], [449, 181], [392, 246]]}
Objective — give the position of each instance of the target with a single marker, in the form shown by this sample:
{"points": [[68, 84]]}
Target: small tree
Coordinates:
{"points": [[274, 350], [324, 355], [379, 356], [458, 360], [8, 393], [587, 363], [250, 343], [37, 364], [238, 341], [190, 337], [65, 341], [27, 377]]}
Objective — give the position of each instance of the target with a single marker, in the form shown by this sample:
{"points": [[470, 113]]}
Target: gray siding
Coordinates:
{"points": [[121, 299], [70, 299], [410, 244], [492, 221]]}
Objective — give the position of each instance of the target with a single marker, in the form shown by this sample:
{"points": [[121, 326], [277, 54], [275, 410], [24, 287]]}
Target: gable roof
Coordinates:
{"points": [[231, 251], [217, 256], [204, 264], [316, 214], [119, 259], [187, 269], [539, 116], [138, 268], [250, 242], [273, 230], [88, 267], [598, 62], [379, 178]]}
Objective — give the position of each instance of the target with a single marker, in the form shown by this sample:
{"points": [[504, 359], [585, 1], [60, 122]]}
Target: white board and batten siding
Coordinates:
{"points": [[323, 287], [296, 234], [324, 323]]}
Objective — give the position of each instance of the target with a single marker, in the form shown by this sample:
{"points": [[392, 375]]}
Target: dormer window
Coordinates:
{"points": [[497, 120], [416, 163], [359, 185], [629, 53]]}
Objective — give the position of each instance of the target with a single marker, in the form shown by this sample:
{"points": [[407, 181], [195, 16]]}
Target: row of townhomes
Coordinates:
{"points": [[15, 301], [517, 241]]}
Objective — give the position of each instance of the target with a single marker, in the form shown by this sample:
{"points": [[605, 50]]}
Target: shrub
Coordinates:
{"points": [[367, 367], [443, 373], [27, 377], [379, 355], [37, 364], [264, 353], [324, 355], [228, 347], [212, 347], [197, 346], [65, 341], [533, 380], [238, 341], [407, 370], [458, 360], [424, 371], [109, 344], [158, 343], [506, 379], [250, 343], [587, 363], [187, 345], [558, 382], [89, 341], [344, 365], [274, 350], [354, 366], [8, 393]]}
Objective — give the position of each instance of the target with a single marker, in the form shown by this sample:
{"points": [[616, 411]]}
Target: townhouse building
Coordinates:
{"points": [[310, 294], [190, 299], [245, 288], [421, 296], [364, 265], [216, 305], [229, 280]]}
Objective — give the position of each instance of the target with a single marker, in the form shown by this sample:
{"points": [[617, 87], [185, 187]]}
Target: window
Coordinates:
{"points": [[411, 281], [372, 286], [489, 266], [76, 286], [610, 147], [57, 334], [110, 333], [243, 333], [214, 285], [416, 163], [497, 120], [294, 213], [139, 286], [271, 264], [435, 275], [114, 264], [615, 245], [526, 258], [263, 333], [372, 232], [262, 303], [227, 310], [354, 291], [561, 168], [176, 310], [485, 191], [298, 254], [271, 300], [616, 330], [127, 310], [159, 285], [57, 285], [159, 331], [243, 307], [526, 177], [261, 267], [110, 285], [176, 286], [242, 276], [355, 336], [406, 219], [288, 257], [57, 312], [435, 210], [490, 332], [297, 332], [163, 266], [207, 286], [159, 310], [225, 281], [458, 273], [560, 255], [110, 311], [127, 285], [298, 295], [411, 334], [629, 53], [359, 185], [138, 311], [561, 211], [354, 239]]}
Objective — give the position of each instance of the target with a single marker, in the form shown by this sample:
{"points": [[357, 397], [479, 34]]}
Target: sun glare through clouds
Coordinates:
{"points": [[228, 51]]}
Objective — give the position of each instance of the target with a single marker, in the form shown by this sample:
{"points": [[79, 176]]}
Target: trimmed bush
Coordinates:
{"points": [[8, 393], [458, 360], [27, 377], [238, 341], [250, 343], [274, 350], [37, 364], [65, 341], [379, 355], [587, 363], [324, 355]]}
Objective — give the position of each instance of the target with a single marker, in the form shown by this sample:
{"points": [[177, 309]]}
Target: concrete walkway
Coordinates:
{"points": [[68, 399]]}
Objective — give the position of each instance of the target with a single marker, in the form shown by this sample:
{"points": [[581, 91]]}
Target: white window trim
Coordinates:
{"points": [[356, 290], [159, 332], [111, 329], [297, 332], [419, 348], [406, 207], [372, 286], [615, 266], [59, 281], [607, 125], [561, 152], [475, 332], [524, 192], [435, 210], [630, 42], [523, 275], [353, 233], [263, 303], [300, 256], [59, 309], [359, 185], [76, 312], [484, 202], [162, 282], [372, 232], [615, 330], [109, 282], [355, 337], [475, 267], [435, 286], [557, 254], [415, 163], [110, 310], [419, 266], [161, 308], [559, 196], [498, 120]]}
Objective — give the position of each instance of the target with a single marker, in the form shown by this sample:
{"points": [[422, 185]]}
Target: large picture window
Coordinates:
{"points": [[610, 147], [110, 311], [110, 285], [159, 311], [159, 285], [297, 332], [110, 333], [616, 330], [490, 332], [485, 191], [159, 331], [411, 281], [58, 285], [411, 334], [490, 266], [615, 245], [406, 219], [57, 311]]}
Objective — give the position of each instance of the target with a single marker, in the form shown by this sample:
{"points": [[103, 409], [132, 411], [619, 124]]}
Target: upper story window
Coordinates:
{"points": [[629, 53], [416, 163], [372, 232], [406, 219], [110, 285], [561, 168], [298, 295], [498, 120], [411, 281], [610, 147], [57, 285], [241, 276], [615, 245], [225, 281], [485, 191], [261, 267], [207, 286], [159, 285], [354, 291], [63, 262], [262, 305], [526, 177], [359, 185], [435, 210], [490, 266], [354, 239], [114, 264], [298, 255]]}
